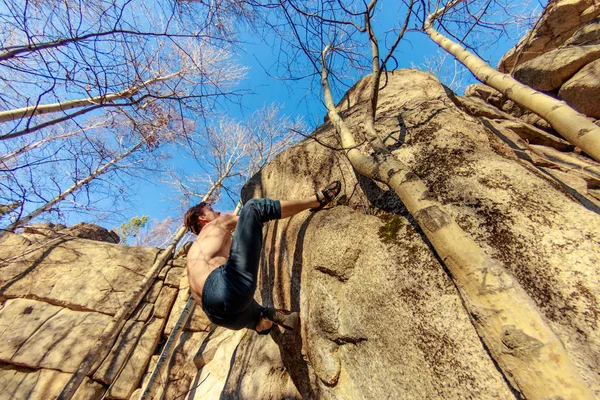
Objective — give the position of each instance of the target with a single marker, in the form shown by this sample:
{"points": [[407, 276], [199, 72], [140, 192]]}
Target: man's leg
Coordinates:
{"points": [[293, 207]]}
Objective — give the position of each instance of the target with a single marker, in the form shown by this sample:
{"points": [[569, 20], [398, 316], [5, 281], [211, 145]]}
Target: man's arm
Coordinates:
{"points": [[228, 221]]}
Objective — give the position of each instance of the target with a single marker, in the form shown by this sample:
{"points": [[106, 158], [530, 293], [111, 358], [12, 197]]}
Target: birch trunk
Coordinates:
{"points": [[532, 358], [67, 105], [573, 126]]}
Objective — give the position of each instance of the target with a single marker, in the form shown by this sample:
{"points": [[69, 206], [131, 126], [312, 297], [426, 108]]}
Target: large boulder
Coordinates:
{"points": [[365, 281], [586, 35], [549, 71], [81, 274], [560, 19], [582, 91]]}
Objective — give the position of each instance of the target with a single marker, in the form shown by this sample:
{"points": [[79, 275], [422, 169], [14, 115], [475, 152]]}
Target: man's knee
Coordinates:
{"points": [[266, 209]]}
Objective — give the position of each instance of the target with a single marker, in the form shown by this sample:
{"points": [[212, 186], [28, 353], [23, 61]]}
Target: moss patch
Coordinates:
{"points": [[388, 232]]}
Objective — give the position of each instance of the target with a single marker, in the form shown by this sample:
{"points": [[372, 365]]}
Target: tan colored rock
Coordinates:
{"points": [[131, 375], [164, 302], [534, 135], [214, 340], [586, 35], [78, 273], [258, 372], [12, 245], [365, 284], [121, 351], [42, 384], [479, 108], [197, 322], [182, 252], [537, 121], [214, 374], [142, 312], [41, 335], [181, 261], [174, 276], [92, 232], [154, 291], [485, 93], [183, 371], [549, 71], [582, 91], [561, 18]]}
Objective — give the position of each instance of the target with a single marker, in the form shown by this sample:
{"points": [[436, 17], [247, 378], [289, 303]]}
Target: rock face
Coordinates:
{"points": [[558, 56], [59, 292], [559, 21], [583, 90], [380, 314], [549, 71], [365, 281]]}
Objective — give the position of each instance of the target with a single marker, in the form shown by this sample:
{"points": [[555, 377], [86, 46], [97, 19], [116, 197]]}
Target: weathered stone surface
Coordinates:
{"points": [[393, 298], [120, 352], [180, 262], [92, 232], [582, 91], [559, 21], [47, 230], [588, 34], [182, 252], [258, 372], [534, 135], [174, 276], [164, 302], [183, 371], [214, 374], [198, 321], [154, 291], [131, 375], [40, 335], [142, 312], [537, 121], [479, 108], [549, 71], [485, 93], [42, 384], [12, 245], [78, 273]]}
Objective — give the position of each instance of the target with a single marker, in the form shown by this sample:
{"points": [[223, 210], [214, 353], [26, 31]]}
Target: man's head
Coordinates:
{"points": [[198, 216]]}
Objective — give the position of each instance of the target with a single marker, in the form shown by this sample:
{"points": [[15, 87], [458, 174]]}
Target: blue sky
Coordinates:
{"points": [[296, 97]]}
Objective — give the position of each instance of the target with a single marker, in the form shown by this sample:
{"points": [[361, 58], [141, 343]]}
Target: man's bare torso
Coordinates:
{"points": [[209, 251]]}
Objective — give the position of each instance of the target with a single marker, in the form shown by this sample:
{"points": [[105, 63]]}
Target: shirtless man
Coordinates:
{"points": [[223, 271]]}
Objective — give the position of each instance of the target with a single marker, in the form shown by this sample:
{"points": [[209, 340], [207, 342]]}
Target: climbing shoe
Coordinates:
{"points": [[327, 194], [287, 319]]}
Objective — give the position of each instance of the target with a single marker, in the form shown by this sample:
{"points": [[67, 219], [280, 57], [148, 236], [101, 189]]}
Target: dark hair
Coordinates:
{"points": [[190, 220]]}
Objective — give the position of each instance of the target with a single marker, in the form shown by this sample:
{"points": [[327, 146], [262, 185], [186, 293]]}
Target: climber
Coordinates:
{"points": [[223, 271]]}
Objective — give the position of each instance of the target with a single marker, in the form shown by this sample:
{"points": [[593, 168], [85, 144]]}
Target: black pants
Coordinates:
{"points": [[228, 293]]}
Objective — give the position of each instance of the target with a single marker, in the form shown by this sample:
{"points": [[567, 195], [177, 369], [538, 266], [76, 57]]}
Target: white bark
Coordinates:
{"points": [[573, 126], [10, 115], [531, 356]]}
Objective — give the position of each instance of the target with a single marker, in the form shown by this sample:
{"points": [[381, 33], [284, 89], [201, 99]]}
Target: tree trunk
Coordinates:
{"points": [[573, 126], [531, 356], [67, 105]]}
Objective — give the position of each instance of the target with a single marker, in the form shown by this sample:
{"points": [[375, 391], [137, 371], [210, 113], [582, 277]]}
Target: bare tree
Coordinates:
{"points": [[463, 257], [573, 126], [73, 73], [233, 151]]}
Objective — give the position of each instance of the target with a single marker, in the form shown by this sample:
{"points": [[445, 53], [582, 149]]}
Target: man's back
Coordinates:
{"points": [[209, 251]]}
